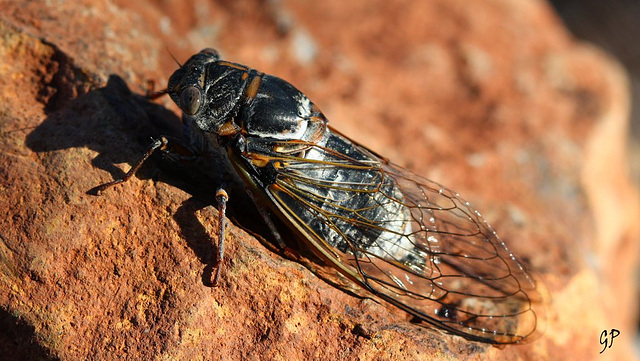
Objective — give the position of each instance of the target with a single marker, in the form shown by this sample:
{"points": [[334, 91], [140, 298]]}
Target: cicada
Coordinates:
{"points": [[400, 237]]}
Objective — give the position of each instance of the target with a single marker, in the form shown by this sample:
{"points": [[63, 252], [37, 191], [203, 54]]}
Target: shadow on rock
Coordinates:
{"points": [[120, 125], [18, 339], [111, 121]]}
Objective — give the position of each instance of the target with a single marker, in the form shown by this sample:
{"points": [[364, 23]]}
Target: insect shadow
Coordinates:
{"points": [[20, 339], [119, 125]]}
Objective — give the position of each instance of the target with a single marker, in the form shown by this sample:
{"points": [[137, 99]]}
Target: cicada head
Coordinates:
{"points": [[207, 90], [187, 83]]}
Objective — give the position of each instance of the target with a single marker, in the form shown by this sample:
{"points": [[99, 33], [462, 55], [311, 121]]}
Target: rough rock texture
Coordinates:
{"points": [[491, 98]]}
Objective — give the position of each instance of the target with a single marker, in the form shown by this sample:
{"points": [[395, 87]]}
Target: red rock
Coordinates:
{"points": [[493, 99]]}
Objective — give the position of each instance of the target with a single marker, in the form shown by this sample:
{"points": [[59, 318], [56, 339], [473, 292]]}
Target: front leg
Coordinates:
{"points": [[164, 143], [161, 144]]}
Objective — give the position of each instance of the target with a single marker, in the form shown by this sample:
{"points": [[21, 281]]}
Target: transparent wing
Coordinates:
{"points": [[407, 240]]}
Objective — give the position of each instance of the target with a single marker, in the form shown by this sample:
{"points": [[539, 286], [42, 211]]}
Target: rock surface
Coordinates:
{"points": [[493, 99]]}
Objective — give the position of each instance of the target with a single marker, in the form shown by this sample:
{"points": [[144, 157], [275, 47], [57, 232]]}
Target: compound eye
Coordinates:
{"points": [[190, 100]]}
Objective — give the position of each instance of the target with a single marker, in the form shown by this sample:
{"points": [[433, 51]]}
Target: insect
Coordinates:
{"points": [[401, 237]]}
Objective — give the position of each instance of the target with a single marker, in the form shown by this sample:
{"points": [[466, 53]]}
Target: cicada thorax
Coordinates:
{"points": [[226, 99]]}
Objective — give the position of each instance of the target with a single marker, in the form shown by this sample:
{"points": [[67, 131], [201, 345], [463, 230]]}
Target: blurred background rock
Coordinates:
{"points": [[615, 27]]}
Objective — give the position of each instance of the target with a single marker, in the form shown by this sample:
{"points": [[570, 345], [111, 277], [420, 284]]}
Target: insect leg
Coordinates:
{"points": [[264, 213], [272, 227], [222, 197], [170, 145], [161, 144]]}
